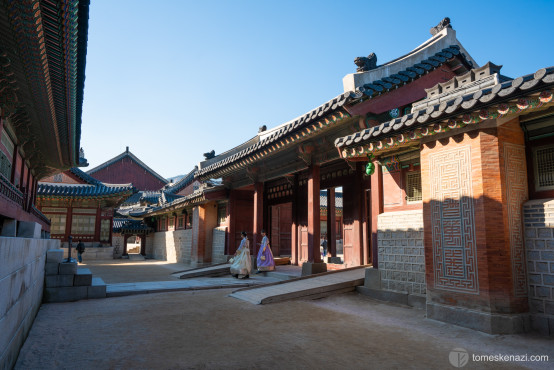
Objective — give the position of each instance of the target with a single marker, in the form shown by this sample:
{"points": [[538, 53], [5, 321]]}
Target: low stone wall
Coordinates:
{"points": [[401, 252], [21, 286], [91, 253], [171, 246], [539, 245], [218, 245], [117, 244]]}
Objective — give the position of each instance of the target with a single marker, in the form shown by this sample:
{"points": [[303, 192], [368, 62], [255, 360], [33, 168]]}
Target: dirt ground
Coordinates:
{"points": [[126, 271], [209, 330]]}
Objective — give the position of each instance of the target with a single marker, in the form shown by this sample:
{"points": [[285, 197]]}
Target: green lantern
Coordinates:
{"points": [[369, 169]]}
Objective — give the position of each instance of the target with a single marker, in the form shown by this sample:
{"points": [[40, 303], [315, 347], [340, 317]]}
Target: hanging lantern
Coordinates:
{"points": [[370, 167]]}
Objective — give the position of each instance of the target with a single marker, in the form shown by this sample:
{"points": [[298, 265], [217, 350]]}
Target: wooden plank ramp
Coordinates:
{"points": [[310, 287]]}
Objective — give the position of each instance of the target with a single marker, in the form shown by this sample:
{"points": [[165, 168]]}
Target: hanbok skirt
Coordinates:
{"points": [[267, 264], [242, 265]]}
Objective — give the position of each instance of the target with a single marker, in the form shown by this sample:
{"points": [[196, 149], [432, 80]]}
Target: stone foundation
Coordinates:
{"points": [[401, 252], [170, 246], [22, 264], [539, 245], [218, 245]]}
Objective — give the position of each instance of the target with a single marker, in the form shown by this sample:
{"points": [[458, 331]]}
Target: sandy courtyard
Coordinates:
{"points": [[208, 330]]}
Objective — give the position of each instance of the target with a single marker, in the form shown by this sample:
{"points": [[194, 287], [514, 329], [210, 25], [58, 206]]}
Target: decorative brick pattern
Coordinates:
{"points": [[539, 244], [516, 195], [401, 251], [453, 220]]}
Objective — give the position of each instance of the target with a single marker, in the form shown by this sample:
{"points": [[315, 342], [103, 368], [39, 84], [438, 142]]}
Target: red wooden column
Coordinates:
{"points": [[314, 217], [230, 248], [125, 245], [376, 210], [357, 247], [331, 223], [258, 216], [143, 244], [294, 227]]}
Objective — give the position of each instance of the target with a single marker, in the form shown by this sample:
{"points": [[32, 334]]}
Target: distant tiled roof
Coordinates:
{"points": [[323, 199], [125, 225], [450, 107], [334, 105], [92, 188], [128, 154], [182, 183]]}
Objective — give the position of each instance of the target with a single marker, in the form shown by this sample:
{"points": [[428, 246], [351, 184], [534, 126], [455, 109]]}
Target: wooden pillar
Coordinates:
{"points": [[258, 216], [331, 223], [97, 223], [376, 210], [125, 237], [294, 227], [366, 227], [230, 237], [314, 217], [143, 245], [357, 252]]}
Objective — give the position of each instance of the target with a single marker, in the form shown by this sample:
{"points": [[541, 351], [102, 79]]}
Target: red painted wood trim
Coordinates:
{"points": [[314, 226]]}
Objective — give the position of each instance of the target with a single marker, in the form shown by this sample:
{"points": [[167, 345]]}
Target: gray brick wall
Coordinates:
{"points": [[539, 245], [401, 251], [218, 245], [171, 246]]}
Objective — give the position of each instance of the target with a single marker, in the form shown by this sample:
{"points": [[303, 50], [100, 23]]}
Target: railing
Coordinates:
{"points": [[34, 211], [9, 191]]}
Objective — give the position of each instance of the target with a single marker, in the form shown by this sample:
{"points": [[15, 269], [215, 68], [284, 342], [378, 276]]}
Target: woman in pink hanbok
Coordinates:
{"points": [[265, 260], [241, 265]]}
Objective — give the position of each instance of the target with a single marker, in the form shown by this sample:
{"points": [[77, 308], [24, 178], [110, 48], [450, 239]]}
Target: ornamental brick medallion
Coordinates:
{"points": [[516, 195], [453, 221]]}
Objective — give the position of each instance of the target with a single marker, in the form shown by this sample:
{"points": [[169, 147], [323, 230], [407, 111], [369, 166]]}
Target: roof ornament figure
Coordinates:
{"points": [[81, 153], [366, 63], [209, 155], [262, 128], [445, 23]]}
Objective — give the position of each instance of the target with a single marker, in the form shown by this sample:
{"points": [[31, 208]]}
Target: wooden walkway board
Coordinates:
{"points": [[313, 287]]}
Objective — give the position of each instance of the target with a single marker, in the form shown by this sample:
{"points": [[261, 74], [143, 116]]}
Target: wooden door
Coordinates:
{"points": [[303, 250], [275, 230], [285, 226]]}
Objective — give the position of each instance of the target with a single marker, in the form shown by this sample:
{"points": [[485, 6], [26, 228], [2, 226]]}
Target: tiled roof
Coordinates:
{"points": [[323, 199], [128, 154], [452, 106], [333, 105], [92, 188], [413, 72], [126, 225], [182, 183], [82, 191]]}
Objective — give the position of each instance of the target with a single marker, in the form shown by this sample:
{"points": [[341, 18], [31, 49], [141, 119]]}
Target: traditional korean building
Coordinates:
{"points": [[128, 168], [41, 95], [43, 47], [80, 206], [462, 200], [285, 168]]}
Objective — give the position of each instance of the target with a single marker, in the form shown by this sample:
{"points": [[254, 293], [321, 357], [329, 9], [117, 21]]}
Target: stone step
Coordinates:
{"points": [[97, 289], [83, 277], [136, 257]]}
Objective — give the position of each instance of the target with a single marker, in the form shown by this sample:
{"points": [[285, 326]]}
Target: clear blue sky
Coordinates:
{"points": [[175, 79]]}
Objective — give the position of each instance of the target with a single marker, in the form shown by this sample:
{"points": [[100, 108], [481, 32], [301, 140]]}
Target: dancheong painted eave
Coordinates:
{"points": [[43, 56], [503, 99]]}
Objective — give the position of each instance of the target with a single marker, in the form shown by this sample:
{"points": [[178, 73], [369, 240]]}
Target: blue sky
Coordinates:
{"points": [[175, 79]]}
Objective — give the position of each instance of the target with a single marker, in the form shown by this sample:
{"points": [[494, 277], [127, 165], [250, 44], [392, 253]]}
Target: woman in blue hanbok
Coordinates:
{"points": [[241, 265], [265, 260]]}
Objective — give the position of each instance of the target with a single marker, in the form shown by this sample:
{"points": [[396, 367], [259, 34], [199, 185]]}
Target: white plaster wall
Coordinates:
{"points": [[21, 285]]}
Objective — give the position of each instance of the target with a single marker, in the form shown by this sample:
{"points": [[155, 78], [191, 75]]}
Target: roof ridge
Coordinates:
{"points": [[127, 153]]}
